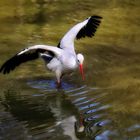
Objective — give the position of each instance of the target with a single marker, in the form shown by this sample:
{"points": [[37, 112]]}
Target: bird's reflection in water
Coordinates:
{"points": [[65, 113], [90, 118], [41, 116]]}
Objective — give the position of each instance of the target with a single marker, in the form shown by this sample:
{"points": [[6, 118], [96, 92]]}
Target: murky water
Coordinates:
{"points": [[103, 107]]}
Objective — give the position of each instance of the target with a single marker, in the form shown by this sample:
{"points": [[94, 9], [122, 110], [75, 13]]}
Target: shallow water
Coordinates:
{"points": [[103, 107]]}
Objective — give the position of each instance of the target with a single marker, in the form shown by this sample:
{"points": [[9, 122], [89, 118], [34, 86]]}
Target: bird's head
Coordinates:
{"points": [[80, 60]]}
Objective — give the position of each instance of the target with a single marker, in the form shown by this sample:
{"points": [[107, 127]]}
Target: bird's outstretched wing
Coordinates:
{"points": [[28, 54], [86, 28]]}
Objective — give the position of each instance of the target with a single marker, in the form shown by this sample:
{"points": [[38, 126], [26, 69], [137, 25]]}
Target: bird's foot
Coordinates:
{"points": [[58, 85]]}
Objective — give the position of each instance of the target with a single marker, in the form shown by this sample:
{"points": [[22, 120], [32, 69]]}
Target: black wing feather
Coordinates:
{"points": [[16, 60], [90, 28], [59, 45]]}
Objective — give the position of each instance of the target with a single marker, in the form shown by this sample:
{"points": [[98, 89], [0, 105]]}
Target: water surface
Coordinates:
{"points": [[107, 102]]}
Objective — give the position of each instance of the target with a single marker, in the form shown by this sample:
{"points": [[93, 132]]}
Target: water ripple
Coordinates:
{"points": [[102, 123], [79, 93], [89, 106], [87, 100], [75, 89], [97, 109], [105, 135], [133, 128], [96, 116], [79, 99], [84, 102]]}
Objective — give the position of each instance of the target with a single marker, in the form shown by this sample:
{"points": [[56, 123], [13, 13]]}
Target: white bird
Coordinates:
{"points": [[61, 59]]}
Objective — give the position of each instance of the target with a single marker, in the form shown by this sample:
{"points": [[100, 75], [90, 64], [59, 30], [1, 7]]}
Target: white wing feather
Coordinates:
{"points": [[67, 42], [55, 50]]}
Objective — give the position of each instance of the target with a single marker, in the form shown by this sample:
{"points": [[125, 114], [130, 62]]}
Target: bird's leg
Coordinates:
{"points": [[59, 83], [58, 77]]}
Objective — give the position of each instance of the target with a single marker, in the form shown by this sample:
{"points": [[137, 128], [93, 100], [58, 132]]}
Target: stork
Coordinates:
{"points": [[61, 59]]}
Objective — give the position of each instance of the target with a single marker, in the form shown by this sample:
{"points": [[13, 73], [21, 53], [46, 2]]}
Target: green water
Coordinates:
{"points": [[108, 100]]}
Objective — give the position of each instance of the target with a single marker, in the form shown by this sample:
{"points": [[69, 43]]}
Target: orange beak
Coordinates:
{"points": [[81, 71]]}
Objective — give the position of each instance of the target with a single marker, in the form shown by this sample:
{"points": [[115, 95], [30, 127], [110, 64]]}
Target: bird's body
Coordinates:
{"points": [[64, 63], [61, 59]]}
